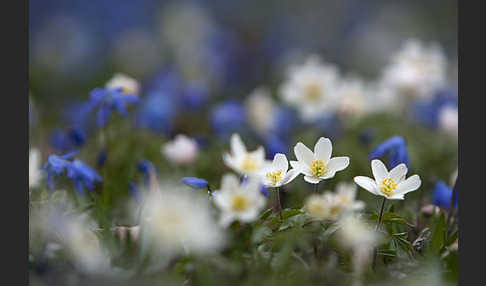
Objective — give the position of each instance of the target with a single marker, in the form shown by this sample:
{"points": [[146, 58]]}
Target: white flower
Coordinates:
{"points": [[333, 205], [175, 220], [391, 185], [237, 201], [416, 70], [35, 174], [261, 110], [129, 85], [353, 98], [318, 165], [311, 88], [182, 151], [277, 174], [449, 120], [242, 161]]}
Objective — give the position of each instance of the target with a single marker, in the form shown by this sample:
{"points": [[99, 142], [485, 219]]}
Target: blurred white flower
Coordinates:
{"points": [[449, 120], [391, 185], [416, 70], [311, 88], [277, 174], [181, 151], [318, 165], [35, 175], [333, 205], [129, 85], [261, 110], [361, 239], [58, 225], [237, 201], [353, 98], [174, 220], [242, 161]]}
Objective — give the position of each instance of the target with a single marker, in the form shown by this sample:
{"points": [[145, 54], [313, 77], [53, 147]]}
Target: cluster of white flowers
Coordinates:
{"points": [[317, 89]]}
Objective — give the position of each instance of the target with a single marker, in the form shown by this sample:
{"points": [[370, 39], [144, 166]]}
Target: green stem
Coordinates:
{"points": [[279, 204], [376, 229]]}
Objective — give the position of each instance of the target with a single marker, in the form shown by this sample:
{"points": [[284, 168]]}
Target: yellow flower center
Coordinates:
{"points": [[313, 92], [316, 208], [249, 164], [239, 203], [318, 168], [388, 187], [275, 177], [335, 210]]}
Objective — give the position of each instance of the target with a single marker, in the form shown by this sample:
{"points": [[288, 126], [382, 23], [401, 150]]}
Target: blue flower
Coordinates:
{"points": [[426, 112], [274, 145], [81, 174], [66, 140], [108, 99], [196, 183], [157, 112], [396, 150], [442, 195], [228, 117], [144, 166]]}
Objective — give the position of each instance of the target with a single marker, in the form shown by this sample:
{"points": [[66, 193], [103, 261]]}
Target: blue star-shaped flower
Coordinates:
{"points": [[108, 99], [396, 150]]}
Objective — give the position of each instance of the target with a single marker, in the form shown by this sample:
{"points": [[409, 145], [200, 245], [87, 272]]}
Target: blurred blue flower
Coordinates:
{"points": [[285, 121], [196, 183], [396, 150], [101, 159], [82, 176], [108, 99], [67, 140], [442, 195], [144, 166], [274, 145], [367, 135], [134, 192], [228, 117], [426, 111], [157, 112]]}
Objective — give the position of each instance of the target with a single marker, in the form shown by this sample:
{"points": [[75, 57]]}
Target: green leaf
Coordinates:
{"points": [[438, 233]]}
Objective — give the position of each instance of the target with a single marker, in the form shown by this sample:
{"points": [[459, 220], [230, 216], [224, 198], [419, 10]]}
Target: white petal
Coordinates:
{"points": [[230, 162], [323, 149], [338, 164], [398, 173], [226, 219], [328, 175], [289, 177], [409, 185], [259, 154], [379, 170], [237, 147], [367, 184], [304, 169], [311, 180], [230, 182], [303, 154], [280, 162]]}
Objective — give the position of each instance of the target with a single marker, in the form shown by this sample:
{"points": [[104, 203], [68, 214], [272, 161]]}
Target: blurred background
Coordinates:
{"points": [[231, 46]]}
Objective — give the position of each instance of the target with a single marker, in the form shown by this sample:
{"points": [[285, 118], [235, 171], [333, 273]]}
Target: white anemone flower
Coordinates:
{"points": [[449, 120], [277, 174], [318, 165], [417, 69], [311, 88], [353, 98], [175, 220], [391, 185], [237, 201], [128, 84], [181, 151], [242, 161], [35, 175], [261, 110], [333, 205]]}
